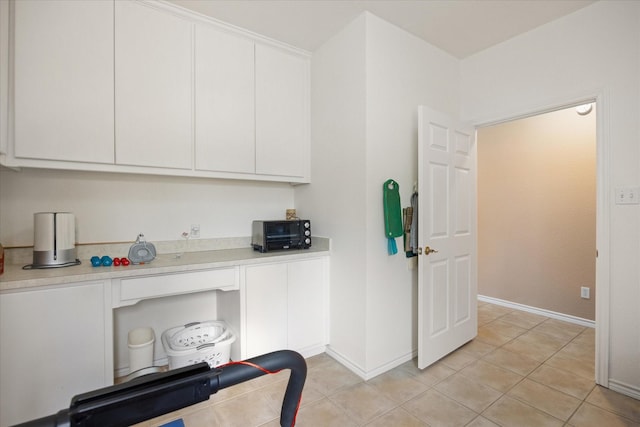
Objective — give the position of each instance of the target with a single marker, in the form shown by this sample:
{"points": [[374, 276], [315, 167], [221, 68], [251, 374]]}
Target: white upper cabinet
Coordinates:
{"points": [[282, 113], [153, 75], [4, 80], [146, 87], [225, 101], [63, 80]]}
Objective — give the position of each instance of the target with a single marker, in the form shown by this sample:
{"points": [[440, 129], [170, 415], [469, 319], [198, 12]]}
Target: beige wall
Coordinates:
{"points": [[537, 211]]}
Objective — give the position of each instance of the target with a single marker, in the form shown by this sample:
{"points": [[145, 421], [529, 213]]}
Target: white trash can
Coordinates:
{"points": [[140, 342]]}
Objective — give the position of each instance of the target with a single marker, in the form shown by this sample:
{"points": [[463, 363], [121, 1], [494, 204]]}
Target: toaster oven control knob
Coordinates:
{"points": [[307, 232], [307, 240], [307, 225]]}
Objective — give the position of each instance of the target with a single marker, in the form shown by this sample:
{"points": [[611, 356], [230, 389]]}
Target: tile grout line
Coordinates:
{"points": [[505, 394], [476, 354]]}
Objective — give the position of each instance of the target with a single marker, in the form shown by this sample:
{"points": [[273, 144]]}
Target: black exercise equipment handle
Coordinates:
{"points": [[157, 394]]}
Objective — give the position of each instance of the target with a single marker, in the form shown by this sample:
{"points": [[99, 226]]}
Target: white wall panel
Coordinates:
{"points": [[336, 199], [403, 72], [117, 207]]}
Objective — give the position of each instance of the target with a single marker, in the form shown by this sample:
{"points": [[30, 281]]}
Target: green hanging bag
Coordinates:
{"points": [[392, 214]]}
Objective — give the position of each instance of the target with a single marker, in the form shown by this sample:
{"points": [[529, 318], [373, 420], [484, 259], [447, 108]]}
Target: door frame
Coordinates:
{"points": [[603, 207]]}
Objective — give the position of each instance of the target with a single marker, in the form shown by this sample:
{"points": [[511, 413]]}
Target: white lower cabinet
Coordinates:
{"points": [[266, 299], [306, 304], [58, 341], [286, 307], [53, 348]]}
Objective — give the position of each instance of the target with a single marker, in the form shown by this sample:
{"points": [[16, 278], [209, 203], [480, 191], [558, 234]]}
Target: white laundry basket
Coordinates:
{"points": [[197, 342]]}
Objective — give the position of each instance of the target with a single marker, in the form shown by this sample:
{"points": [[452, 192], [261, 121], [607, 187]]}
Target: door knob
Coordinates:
{"points": [[428, 250]]}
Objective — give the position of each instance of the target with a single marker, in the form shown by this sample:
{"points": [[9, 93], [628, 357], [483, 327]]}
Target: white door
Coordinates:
{"points": [[447, 267]]}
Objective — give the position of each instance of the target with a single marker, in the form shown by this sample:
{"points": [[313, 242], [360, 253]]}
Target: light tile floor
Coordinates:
{"points": [[521, 370]]}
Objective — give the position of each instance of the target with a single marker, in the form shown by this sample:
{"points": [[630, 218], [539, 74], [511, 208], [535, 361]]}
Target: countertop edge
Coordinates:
{"points": [[16, 279]]}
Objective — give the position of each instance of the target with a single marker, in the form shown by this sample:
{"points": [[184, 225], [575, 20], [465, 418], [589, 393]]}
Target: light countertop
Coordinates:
{"points": [[15, 278]]}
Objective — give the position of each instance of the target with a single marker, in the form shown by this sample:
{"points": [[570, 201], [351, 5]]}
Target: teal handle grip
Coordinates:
{"points": [[391, 246]]}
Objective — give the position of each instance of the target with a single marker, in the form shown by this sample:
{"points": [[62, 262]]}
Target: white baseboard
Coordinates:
{"points": [[540, 311], [390, 365], [312, 351], [367, 375], [626, 389], [346, 362]]}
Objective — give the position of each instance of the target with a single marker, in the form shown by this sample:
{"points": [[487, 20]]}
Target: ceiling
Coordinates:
{"points": [[459, 27]]}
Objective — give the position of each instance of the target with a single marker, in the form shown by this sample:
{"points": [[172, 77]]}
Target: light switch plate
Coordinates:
{"points": [[627, 195]]}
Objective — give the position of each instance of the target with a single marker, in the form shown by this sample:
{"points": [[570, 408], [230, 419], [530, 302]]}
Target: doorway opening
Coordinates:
{"points": [[537, 212], [543, 241]]}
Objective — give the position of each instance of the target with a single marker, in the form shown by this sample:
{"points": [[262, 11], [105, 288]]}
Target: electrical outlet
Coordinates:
{"points": [[584, 292], [195, 231], [627, 195]]}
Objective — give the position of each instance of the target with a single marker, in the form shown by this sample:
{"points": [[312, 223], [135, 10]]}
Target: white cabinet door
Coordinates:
{"points": [[153, 75], [307, 321], [63, 77], [266, 308], [282, 113], [52, 347], [126, 86], [286, 307], [225, 101], [4, 75]]}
